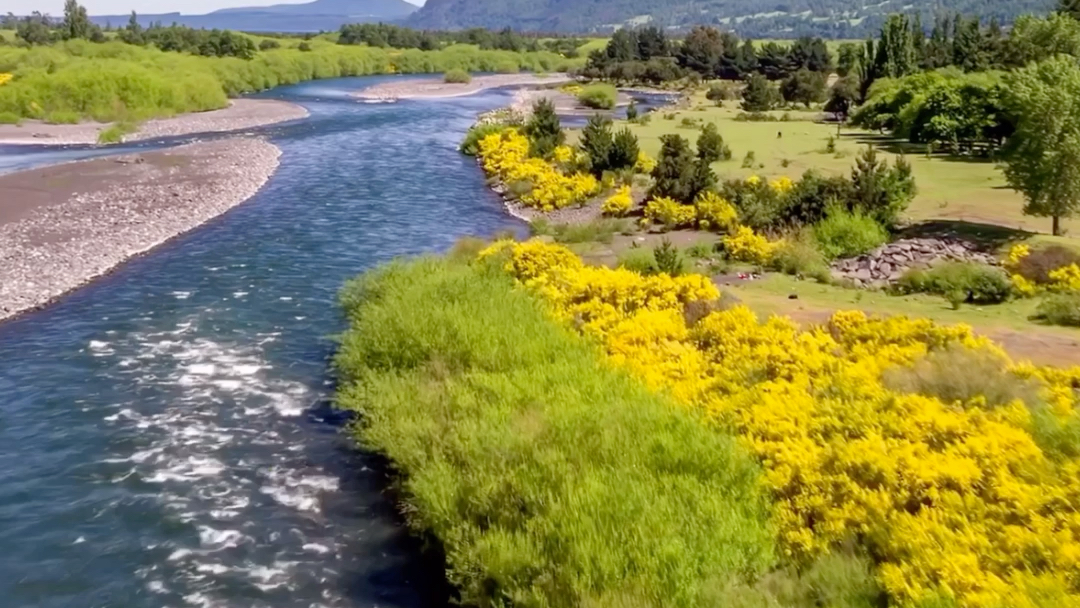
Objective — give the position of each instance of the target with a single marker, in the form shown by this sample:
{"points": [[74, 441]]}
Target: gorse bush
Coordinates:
{"points": [[548, 477], [917, 482], [845, 234], [471, 144]]}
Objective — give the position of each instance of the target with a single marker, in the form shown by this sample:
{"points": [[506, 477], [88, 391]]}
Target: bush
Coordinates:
{"points": [[755, 117], [670, 212], [546, 474], [798, 255], [304, 47], [269, 44], [639, 260], [720, 93], [1060, 309], [959, 282], [844, 234], [597, 231], [114, 134], [10, 118], [749, 160], [619, 203], [63, 117], [457, 77], [471, 145], [668, 259], [1037, 265], [598, 96], [962, 374]]}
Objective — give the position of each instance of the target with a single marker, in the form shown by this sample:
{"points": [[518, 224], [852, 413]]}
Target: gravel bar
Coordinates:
{"points": [[241, 114], [435, 88], [64, 225]]}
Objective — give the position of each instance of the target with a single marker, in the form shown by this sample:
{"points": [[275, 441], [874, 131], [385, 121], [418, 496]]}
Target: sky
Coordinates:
{"points": [[123, 7]]}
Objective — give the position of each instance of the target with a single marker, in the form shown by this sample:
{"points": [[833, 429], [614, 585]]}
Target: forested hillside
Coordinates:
{"points": [[770, 19]]}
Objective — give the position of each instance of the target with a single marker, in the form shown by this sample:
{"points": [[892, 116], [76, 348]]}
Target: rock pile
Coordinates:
{"points": [[888, 263]]}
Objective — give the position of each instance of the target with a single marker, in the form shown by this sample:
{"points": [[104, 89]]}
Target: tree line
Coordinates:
{"points": [[386, 35]]}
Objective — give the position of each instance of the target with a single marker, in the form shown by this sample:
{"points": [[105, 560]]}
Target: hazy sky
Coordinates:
{"points": [[122, 7]]}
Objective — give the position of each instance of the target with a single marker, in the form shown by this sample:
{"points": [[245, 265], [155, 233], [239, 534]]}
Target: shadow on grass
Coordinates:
{"points": [[894, 145], [988, 237]]}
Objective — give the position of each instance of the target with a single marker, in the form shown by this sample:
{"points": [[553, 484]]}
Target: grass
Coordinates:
{"points": [[602, 230], [115, 133], [548, 477], [956, 189]]}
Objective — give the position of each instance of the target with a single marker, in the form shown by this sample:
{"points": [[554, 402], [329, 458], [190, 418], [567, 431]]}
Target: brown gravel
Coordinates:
{"points": [[63, 225], [434, 87], [241, 114]]}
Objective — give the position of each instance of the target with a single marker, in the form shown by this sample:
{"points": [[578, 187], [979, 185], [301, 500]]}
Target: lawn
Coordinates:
{"points": [[950, 188]]}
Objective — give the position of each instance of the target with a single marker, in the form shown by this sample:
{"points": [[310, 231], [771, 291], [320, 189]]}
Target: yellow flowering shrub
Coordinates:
{"points": [[619, 203], [5, 78], [1022, 286], [753, 180], [1066, 278], [645, 163], [670, 213], [1016, 253], [715, 213], [782, 185], [562, 154], [955, 501], [745, 245], [506, 156]]}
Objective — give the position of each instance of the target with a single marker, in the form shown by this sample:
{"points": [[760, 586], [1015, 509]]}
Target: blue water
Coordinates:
{"points": [[165, 433]]}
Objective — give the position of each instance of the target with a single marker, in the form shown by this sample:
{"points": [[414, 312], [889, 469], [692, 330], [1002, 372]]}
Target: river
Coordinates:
{"points": [[166, 436]]}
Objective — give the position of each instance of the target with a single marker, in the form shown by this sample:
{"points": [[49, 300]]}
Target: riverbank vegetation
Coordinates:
{"points": [[882, 466], [156, 72]]}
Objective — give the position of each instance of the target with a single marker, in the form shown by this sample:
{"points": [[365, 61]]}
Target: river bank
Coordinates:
{"points": [[63, 225], [241, 114], [435, 88]]}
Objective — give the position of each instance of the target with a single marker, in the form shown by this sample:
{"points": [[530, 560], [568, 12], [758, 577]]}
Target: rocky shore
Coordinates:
{"points": [[241, 114], [434, 87], [63, 225]]}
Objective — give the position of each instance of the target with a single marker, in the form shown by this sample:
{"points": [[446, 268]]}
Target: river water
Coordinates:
{"points": [[166, 437]]}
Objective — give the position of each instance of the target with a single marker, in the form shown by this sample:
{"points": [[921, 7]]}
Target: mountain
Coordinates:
{"points": [[314, 16], [756, 18]]}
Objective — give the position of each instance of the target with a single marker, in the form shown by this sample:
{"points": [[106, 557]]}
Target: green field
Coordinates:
{"points": [[950, 188]]}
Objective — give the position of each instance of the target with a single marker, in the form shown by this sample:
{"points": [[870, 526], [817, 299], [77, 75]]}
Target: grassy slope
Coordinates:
{"points": [[949, 188], [549, 477]]}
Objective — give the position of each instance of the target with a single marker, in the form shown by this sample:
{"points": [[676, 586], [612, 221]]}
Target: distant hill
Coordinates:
{"points": [[307, 17], [756, 18]]}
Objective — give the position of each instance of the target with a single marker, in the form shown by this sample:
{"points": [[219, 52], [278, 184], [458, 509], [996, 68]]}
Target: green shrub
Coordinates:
{"points": [[471, 144], [844, 233], [10, 118], [639, 260], [959, 282], [598, 96], [798, 255], [669, 260], [548, 477], [749, 160], [269, 44], [304, 47], [1060, 309], [508, 67], [754, 117], [602, 230], [457, 77], [962, 374], [114, 134], [62, 117]]}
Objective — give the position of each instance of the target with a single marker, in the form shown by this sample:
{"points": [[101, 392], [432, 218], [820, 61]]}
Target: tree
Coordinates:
{"points": [[880, 191], [842, 98], [674, 175], [805, 87], [35, 29], [701, 51], [938, 51], [773, 61], [544, 129], [1068, 7], [710, 145], [632, 111], [810, 54], [847, 59], [968, 46], [624, 150], [1042, 157], [759, 95], [702, 179], [623, 46], [895, 51], [76, 23], [652, 42], [598, 143]]}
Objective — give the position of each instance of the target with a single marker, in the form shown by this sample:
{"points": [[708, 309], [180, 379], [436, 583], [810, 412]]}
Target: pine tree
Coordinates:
{"points": [[674, 175], [759, 95], [544, 129], [624, 150], [710, 144], [598, 144]]}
